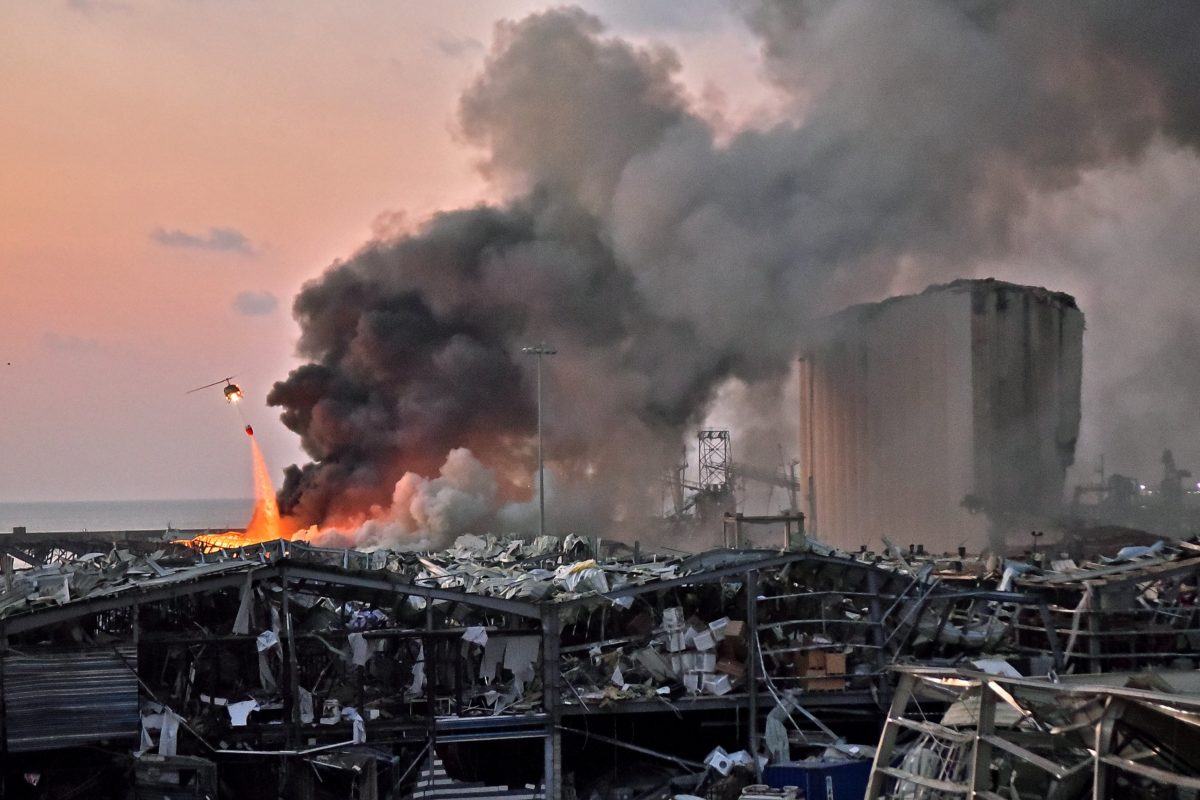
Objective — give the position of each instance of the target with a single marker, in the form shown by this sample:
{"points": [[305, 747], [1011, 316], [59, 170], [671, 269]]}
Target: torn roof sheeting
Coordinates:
{"points": [[1053, 739], [1131, 565], [65, 590], [503, 573]]}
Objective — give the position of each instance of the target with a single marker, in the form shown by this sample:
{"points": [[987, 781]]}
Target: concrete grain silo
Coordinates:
{"points": [[943, 418]]}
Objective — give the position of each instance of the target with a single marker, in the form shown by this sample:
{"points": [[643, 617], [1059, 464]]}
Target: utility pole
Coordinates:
{"points": [[540, 350]]}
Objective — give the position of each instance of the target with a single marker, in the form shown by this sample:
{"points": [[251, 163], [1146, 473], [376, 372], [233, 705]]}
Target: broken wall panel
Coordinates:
{"points": [[953, 733], [57, 698]]}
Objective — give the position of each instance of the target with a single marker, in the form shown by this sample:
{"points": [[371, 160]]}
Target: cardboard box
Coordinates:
{"points": [[820, 670], [807, 662], [732, 648], [673, 619], [735, 629], [717, 626], [708, 662], [730, 667], [717, 685], [704, 641], [823, 683], [689, 637]]}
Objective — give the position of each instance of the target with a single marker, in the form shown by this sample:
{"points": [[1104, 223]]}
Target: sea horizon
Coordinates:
{"points": [[58, 516]]}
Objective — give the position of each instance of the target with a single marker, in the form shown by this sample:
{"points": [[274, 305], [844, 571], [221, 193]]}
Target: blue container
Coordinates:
{"points": [[822, 780]]}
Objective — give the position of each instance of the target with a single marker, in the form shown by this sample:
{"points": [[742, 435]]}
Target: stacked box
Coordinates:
{"points": [[717, 684], [673, 619], [820, 670], [730, 667], [710, 656]]}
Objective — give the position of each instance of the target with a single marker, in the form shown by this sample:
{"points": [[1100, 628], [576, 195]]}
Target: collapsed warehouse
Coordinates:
{"points": [[291, 668], [567, 665]]}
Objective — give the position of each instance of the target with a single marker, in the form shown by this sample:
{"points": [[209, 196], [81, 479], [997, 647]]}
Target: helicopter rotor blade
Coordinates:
{"points": [[210, 385]]}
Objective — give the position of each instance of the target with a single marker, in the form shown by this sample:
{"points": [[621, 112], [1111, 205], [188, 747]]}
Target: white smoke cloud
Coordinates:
{"points": [[424, 512]]}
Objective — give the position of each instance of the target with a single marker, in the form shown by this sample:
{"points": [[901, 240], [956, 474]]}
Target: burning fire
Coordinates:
{"points": [[264, 522]]}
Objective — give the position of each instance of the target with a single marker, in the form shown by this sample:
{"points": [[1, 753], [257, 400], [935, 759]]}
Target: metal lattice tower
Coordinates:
{"points": [[716, 467]]}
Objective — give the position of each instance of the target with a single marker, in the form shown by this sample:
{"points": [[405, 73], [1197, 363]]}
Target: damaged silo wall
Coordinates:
{"points": [[938, 418], [1028, 355]]}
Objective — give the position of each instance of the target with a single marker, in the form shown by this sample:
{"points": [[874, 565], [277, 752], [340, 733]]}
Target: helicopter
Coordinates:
{"points": [[233, 393]]}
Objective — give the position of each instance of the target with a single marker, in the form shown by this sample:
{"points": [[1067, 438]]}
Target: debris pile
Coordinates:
{"points": [[1134, 610], [282, 648], [971, 733]]}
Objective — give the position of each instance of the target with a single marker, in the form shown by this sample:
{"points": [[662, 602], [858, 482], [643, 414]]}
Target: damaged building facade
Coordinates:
{"points": [[946, 418], [581, 668], [286, 670]]}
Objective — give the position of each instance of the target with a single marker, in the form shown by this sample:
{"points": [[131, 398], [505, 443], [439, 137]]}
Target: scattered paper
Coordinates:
{"points": [[239, 713]]}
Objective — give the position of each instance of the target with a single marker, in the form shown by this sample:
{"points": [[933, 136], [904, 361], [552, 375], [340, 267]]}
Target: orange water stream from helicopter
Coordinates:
{"points": [[264, 523]]}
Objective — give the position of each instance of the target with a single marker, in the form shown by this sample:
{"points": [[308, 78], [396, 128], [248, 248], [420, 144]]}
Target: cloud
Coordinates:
{"points": [[69, 343], [90, 7], [459, 46], [224, 240], [255, 304]]}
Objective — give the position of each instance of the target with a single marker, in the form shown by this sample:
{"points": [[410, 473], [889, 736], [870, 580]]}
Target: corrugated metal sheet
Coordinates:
{"points": [[63, 698], [890, 432], [435, 784]]}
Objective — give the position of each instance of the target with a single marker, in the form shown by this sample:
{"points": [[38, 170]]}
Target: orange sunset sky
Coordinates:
{"points": [[173, 171]]}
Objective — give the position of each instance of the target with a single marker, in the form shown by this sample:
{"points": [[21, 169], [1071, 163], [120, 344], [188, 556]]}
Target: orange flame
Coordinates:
{"points": [[264, 522]]}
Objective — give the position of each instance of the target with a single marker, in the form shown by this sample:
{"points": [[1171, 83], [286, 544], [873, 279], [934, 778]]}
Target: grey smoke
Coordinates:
{"points": [[1122, 243], [663, 264]]}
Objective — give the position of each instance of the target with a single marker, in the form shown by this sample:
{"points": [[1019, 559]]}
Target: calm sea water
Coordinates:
{"points": [[127, 515]]}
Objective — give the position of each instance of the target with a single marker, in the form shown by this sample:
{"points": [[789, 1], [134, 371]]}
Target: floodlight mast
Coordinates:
{"points": [[540, 350]]}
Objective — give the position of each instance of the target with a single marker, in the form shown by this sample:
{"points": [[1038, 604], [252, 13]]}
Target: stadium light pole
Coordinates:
{"points": [[540, 350]]}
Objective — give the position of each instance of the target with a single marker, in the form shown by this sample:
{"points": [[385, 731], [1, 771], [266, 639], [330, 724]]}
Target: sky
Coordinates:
{"points": [[176, 171]]}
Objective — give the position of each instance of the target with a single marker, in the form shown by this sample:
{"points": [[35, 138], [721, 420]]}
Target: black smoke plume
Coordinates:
{"points": [[662, 262]]}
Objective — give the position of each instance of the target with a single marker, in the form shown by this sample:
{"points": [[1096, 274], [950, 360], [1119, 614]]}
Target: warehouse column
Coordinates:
{"points": [[751, 589], [552, 746]]}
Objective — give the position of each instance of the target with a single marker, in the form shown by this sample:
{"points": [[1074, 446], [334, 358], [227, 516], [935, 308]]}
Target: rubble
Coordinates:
{"points": [[998, 736], [284, 649]]}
